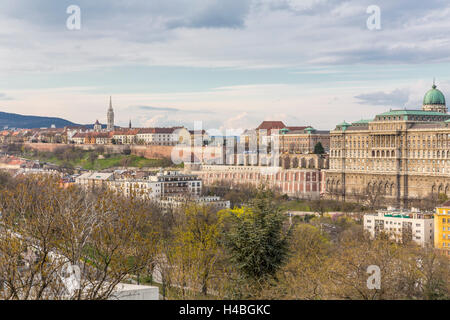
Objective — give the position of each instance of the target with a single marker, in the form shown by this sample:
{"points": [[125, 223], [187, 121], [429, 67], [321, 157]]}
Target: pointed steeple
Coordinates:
{"points": [[129, 125], [110, 116]]}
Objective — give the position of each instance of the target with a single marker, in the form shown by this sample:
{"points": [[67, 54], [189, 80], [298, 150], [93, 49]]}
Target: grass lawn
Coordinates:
{"points": [[90, 161], [296, 205], [122, 161]]}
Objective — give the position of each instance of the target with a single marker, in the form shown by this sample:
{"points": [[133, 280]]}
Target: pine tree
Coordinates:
{"points": [[258, 240], [318, 148]]}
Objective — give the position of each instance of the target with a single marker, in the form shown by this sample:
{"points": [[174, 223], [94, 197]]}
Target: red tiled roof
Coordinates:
{"points": [[268, 125], [157, 130], [100, 135], [146, 130], [164, 130], [126, 132], [446, 204], [79, 135], [196, 132]]}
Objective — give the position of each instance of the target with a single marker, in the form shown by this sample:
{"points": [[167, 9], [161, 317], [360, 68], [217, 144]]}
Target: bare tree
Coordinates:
{"points": [[46, 227]]}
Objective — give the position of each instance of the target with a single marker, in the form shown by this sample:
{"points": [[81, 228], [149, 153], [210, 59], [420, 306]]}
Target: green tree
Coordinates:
{"points": [[305, 274], [196, 247], [257, 239], [442, 197], [318, 148]]}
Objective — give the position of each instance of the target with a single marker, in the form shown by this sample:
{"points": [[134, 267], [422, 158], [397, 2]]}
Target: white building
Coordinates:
{"points": [[163, 184], [94, 179], [125, 136], [145, 188], [402, 226], [78, 138], [181, 202], [178, 183], [162, 136]]}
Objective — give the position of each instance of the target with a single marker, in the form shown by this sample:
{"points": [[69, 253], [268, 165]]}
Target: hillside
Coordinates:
{"points": [[13, 120]]}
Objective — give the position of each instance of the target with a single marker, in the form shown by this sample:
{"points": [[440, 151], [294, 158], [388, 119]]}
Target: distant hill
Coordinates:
{"points": [[13, 120]]}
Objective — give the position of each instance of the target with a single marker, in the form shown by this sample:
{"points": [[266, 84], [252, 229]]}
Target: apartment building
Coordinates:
{"points": [[182, 202], [144, 188], [125, 136], [162, 136], [95, 179], [402, 226], [178, 183], [162, 185]]}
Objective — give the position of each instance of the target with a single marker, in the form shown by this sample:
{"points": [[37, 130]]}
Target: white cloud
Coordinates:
{"points": [[240, 35], [209, 33]]}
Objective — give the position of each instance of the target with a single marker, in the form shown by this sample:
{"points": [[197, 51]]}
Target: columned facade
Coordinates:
{"points": [[401, 154]]}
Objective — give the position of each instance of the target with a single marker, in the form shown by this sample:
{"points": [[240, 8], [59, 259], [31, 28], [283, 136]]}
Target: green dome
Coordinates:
{"points": [[434, 96]]}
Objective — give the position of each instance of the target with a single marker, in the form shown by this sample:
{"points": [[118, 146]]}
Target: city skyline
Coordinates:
{"points": [[171, 64], [198, 151]]}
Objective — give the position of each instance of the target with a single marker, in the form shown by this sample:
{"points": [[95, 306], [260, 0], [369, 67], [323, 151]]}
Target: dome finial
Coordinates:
{"points": [[434, 83]]}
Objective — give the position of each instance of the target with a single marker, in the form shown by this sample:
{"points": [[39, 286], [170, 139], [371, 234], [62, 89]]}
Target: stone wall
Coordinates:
{"points": [[152, 152]]}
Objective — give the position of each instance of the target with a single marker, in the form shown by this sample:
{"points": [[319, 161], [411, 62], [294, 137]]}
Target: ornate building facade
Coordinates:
{"points": [[302, 183], [400, 154]]}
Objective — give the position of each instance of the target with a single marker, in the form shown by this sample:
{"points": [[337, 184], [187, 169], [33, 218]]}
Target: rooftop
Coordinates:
{"points": [[362, 121], [96, 175], [434, 97], [405, 112], [268, 125]]}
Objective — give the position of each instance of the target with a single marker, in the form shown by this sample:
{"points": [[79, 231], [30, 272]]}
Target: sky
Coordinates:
{"points": [[228, 63]]}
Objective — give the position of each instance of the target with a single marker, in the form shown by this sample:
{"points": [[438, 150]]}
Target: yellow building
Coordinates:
{"points": [[442, 228]]}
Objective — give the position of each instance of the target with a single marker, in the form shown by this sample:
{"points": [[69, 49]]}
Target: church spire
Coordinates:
{"points": [[110, 116], [129, 125]]}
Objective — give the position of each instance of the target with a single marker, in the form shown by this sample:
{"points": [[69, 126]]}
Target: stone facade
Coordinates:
{"points": [[304, 161], [301, 183], [401, 154]]}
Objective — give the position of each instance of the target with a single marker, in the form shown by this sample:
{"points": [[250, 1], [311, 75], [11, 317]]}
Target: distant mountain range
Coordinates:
{"points": [[12, 120]]}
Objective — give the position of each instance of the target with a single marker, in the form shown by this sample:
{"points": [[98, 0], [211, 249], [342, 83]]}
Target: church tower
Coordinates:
{"points": [[110, 116]]}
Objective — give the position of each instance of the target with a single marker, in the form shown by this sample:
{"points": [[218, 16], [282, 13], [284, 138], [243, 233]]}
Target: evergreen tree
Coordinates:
{"points": [[318, 148], [257, 239]]}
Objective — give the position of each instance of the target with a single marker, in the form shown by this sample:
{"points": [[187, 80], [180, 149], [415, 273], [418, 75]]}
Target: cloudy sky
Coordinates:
{"points": [[229, 63]]}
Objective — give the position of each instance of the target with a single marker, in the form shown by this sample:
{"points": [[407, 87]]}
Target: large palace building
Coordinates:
{"points": [[401, 154]]}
